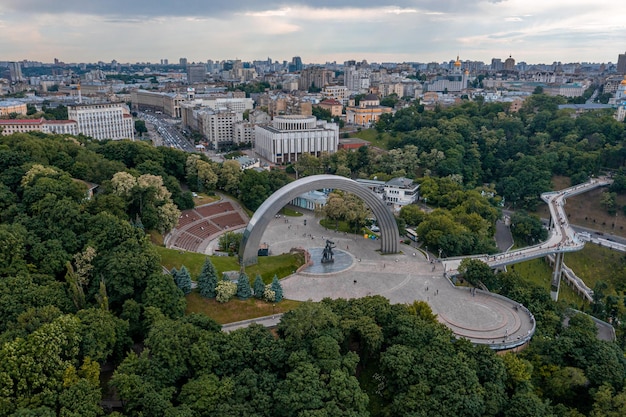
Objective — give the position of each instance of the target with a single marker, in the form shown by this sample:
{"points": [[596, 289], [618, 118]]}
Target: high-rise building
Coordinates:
{"points": [[15, 72], [164, 61], [182, 62], [315, 77], [103, 121], [621, 63], [496, 64], [296, 64], [196, 73]]}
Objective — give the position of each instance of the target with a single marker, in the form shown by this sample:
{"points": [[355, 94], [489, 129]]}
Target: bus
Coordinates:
{"points": [[410, 233]]}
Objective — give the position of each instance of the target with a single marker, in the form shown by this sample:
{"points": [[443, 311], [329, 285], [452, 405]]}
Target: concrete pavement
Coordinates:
{"points": [[481, 317]]}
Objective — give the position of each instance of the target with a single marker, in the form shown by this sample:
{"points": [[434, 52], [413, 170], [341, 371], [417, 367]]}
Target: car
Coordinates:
{"points": [[375, 229]]}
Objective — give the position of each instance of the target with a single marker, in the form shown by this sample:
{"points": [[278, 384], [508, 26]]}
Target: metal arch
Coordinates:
{"points": [[389, 233]]}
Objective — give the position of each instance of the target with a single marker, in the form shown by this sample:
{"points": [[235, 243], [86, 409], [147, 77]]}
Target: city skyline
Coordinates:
{"points": [[319, 31]]}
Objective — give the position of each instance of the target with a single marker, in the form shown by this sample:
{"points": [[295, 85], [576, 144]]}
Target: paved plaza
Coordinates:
{"points": [[402, 278]]}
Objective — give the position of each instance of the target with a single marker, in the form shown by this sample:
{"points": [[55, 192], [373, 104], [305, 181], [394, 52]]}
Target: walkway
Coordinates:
{"points": [[562, 237]]}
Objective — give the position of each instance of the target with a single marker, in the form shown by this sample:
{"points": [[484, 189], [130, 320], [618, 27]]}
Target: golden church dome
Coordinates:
{"points": [[623, 81]]}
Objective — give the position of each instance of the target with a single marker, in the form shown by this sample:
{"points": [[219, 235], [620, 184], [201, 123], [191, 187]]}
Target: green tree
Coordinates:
{"points": [[277, 288], [140, 127], [207, 280], [259, 287], [161, 292], [243, 287], [182, 279]]}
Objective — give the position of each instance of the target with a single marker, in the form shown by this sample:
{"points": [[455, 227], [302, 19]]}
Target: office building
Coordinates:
{"points": [[103, 121], [196, 73], [621, 63], [290, 136]]}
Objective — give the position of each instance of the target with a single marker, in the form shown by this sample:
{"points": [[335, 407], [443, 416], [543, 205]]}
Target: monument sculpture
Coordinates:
{"points": [[327, 255]]}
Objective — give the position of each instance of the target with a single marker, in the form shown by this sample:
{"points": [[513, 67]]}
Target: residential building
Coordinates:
{"points": [[103, 121], [337, 92], [219, 127], [333, 106], [243, 133], [65, 127], [290, 136], [15, 72], [317, 77]]}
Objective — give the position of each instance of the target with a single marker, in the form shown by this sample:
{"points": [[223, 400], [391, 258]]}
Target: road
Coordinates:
{"points": [[169, 134]]}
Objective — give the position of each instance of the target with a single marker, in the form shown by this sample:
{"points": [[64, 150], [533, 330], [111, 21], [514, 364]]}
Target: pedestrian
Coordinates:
{"points": [[426, 288], [347, 247]]}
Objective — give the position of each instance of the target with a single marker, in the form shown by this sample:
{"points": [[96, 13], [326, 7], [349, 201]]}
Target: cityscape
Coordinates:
{"points": [[313, 208]]}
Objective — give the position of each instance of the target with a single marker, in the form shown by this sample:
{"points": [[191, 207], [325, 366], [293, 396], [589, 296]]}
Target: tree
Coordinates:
{"points": [[476, 271], [161, 292], [277, 288], [412, 214], [183, 280], [243, 287], [140, 127], [259, 287], [229, 242], [207, 280]]}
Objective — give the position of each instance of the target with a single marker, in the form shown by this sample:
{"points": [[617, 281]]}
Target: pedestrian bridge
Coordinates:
{"points": [[562, 238]]}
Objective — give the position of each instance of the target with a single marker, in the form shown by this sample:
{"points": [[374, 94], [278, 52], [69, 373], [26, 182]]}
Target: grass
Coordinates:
{"points": [[268, 266], [236, 310], [290, 212], [203, 199], [379, 140], [538, 272], [596, 263]]}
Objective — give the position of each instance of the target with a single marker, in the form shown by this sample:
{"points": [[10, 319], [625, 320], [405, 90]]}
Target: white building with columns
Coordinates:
{"points": [[290, 136]]}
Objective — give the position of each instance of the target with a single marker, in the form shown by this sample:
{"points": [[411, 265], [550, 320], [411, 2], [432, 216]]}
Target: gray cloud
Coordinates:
{"points": [[216, 8]]}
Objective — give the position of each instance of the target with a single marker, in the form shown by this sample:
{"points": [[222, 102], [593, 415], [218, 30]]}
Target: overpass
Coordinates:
{"points": [[561, 239]]}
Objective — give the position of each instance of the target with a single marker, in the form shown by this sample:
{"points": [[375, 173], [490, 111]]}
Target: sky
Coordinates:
{"points": [[319, 31]]}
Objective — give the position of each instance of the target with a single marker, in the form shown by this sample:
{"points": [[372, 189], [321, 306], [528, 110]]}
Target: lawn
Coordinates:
{"points": [[379, 140], [539, 273], [235, 310], [268, 266], [596, 263], [290, 212]]}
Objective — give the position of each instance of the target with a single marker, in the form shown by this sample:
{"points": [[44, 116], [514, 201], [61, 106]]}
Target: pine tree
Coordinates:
{"points": [[225, 277], [183, 280], [277, 288], [259, 287], [207, 280], [243, 287]]}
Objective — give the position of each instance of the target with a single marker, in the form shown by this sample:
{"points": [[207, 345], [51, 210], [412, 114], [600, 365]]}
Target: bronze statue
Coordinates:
{"points": [[327, 255]]}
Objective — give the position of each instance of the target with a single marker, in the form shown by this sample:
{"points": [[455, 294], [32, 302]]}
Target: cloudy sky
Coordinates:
{"points": [[535, 31]]}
